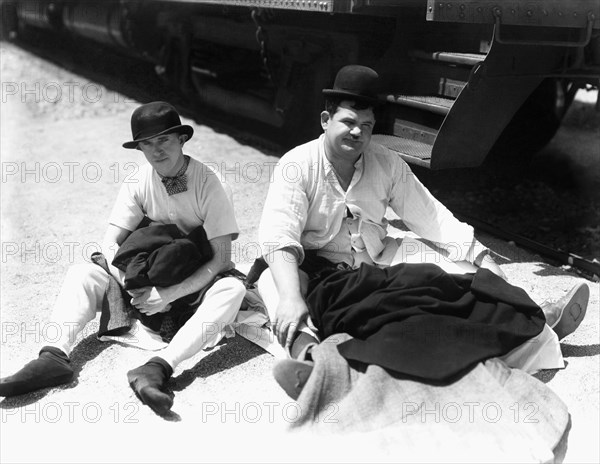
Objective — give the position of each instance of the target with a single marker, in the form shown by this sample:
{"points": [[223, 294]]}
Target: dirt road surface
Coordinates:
{"points": [[62, 165]]}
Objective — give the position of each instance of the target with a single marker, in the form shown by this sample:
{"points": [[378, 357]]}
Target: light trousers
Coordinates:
{"points": [[83, 292], [541, 352]]}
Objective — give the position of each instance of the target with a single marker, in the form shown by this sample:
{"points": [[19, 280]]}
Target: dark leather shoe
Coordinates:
{"points": [[292, 375], [50, 369], [149, 384], [565, 315]]}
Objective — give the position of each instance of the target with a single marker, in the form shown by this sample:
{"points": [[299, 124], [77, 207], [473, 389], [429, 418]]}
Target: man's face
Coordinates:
{"points": [[347, 131], [164, 153]]}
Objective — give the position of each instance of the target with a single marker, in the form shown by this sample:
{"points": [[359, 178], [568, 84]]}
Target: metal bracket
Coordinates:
{"points": [[582, 42]]}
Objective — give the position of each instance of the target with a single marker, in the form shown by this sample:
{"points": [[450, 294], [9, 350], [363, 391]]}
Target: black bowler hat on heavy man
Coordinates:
{"points": [[155, 118], [356, 82]]}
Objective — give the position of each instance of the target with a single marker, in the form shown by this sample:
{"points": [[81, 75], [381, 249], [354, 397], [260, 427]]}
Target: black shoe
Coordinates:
{"points": [[292, 375], [149, 384], [50, 369]]}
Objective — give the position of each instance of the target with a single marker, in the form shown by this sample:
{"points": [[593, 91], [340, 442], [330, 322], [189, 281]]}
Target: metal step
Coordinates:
{"points": [[465, 59], [414, 131], [437, 105], [450, 88], [410, 150]]}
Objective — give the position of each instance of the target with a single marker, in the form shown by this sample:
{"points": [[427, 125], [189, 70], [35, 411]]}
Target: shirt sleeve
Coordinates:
{"points": [[286, 207], [127, 211], [217, 209], [428, 218]]}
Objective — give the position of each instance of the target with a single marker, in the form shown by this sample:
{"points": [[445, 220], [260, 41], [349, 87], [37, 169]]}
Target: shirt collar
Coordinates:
{"points": [[328, 167]]}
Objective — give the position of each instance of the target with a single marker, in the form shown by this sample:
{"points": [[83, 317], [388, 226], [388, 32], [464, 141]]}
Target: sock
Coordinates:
{"points": [[50, 369], [300, 343], [148, 382]]}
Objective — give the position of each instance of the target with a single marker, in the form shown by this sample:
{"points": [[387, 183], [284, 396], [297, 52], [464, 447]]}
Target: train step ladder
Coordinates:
{"points": [[464, 103]]}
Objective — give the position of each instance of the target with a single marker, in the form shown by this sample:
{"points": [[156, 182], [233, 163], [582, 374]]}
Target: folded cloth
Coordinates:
{"points": [[492, 414], [116, 316]]}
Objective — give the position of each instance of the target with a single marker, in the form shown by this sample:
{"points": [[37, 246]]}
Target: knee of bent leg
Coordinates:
{"points": [[86, 273], [232, 286]]}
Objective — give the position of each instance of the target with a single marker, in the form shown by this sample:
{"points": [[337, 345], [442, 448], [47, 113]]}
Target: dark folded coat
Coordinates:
{"points": [[161, 256], [417, 320]]}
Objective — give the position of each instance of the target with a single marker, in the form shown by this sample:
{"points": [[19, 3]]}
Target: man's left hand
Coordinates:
{"points": [[150, 300]]}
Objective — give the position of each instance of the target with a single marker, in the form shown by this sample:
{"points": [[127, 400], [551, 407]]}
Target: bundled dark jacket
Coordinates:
{"points": [[161, 256]]}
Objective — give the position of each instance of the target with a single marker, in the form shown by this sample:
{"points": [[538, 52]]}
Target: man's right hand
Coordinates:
{"points": [[290, 313]]}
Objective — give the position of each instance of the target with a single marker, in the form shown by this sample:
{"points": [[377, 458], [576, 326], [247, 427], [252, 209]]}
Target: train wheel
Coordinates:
{"points": [[10, 22], [535, 123]]}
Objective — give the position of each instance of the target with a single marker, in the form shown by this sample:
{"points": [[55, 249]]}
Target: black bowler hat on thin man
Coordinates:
{"points": [[355, 82], [153, 119]]}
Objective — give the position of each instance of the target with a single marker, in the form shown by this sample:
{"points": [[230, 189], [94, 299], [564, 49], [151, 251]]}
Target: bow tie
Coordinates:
{"points": [[178, 182]]}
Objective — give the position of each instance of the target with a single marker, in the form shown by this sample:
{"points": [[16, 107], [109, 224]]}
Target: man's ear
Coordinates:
{"points": [[325, 117], [182, 139]]}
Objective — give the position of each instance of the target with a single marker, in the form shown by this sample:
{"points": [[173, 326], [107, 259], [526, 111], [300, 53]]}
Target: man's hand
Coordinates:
{"points": [[488, 263], [150, 300], [290, 313]]}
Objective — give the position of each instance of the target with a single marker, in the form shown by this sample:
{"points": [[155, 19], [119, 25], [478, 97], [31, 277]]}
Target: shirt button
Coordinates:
{"points": [[171, 214]]}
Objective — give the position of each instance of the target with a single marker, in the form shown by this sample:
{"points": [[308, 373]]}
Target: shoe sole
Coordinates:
{"points": [[573, 312], [17, 388]]}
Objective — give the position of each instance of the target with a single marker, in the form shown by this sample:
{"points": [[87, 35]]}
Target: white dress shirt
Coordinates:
{"points": [[306, 208]]}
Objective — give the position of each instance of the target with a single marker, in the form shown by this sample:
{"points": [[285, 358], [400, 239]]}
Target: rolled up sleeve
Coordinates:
{"points": [[427, 217], [285, 212]]}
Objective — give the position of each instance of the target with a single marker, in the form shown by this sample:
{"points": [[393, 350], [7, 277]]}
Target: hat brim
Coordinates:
{"points": [[182, 129], [352, 96]]}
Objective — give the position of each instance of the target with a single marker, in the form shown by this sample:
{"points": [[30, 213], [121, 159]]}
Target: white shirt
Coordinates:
{"points": [[205, 203], [306, 208]]}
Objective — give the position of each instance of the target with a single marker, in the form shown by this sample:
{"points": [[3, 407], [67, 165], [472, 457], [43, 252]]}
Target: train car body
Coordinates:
{"points": [[459, 76]]}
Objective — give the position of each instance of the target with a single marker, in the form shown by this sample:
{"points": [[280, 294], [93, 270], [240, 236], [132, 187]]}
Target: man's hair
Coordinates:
{"points": [[332, 104]]}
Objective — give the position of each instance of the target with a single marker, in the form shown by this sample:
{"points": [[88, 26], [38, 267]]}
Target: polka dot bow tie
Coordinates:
{"points": [[178, 182]]}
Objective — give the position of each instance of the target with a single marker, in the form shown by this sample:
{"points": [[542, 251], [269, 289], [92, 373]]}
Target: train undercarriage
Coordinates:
{"points": [[460, 77]]}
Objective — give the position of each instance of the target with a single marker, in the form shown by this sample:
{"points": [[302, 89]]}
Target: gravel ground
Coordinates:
{"points": [[61, 166]]}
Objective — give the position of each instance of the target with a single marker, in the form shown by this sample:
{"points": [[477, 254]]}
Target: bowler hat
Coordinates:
{"points": [[155, 118], [356, 82]]}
